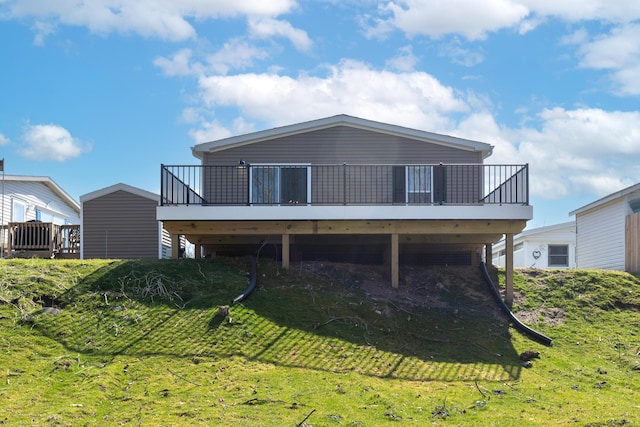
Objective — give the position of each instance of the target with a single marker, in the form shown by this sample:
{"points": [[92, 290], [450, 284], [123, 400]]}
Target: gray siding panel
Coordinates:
{"points": [[342, 144], [327, 148], [120, 225]]}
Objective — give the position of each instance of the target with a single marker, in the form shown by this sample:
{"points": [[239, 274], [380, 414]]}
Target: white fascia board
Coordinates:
{"points": [[319, 213], [120, 187], [50, 183], [606, 199]]}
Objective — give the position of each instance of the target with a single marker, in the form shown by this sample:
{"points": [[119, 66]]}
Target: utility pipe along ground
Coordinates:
{"points": [[252, 282], [517, 323]]}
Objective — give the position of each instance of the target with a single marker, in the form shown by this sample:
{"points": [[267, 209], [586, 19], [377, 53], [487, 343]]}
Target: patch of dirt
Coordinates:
{"points": [[443, 287], [550, 316]]}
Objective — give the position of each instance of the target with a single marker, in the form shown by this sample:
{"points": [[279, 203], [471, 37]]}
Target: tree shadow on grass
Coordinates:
{"points": [[292, 319]]}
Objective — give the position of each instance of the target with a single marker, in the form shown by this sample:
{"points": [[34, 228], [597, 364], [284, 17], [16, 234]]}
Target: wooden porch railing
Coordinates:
{"points": [[41, 239]]}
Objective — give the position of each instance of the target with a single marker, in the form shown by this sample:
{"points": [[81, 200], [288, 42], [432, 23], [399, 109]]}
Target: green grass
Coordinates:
{"points": [[140, 343]]}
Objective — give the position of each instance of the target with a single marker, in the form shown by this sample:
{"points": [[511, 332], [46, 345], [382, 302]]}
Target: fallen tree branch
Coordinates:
{"points": [[182, 378], [484, 396], [333, 319], [256, 401], [301, 423]]}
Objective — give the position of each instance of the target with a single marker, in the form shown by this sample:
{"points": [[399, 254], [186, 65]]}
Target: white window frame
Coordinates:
{"points": [[277, 167], [18, 206], [426, 186], [549, 255]]}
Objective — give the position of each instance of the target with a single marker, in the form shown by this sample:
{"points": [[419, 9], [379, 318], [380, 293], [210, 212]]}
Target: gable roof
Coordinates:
{"points": [[606, 199], [341, 120], [48, 182], [120, 187]]}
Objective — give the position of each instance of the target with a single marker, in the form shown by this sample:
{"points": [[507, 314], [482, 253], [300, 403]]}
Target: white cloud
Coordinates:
{"points": [[164, 19], [179, 64], [50, 142], [619, 52], [414, 99], [4, 140], [235, 54], [471, 18], [263, 27], [213, 130], [460, 55], [577, 152], [405, 60], [585, 10]]}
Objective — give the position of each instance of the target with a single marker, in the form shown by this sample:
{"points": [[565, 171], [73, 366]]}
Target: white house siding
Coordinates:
{"points": [[601, 237], [533, 247], [37, 195]]}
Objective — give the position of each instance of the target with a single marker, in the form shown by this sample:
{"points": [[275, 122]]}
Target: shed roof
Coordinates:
{"points": [[55, 188], [341, 120], [120, 187], [606, 199]]}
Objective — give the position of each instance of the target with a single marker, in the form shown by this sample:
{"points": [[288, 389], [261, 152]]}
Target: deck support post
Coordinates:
{"points": [[395, 260], [285, 251], [175, 246], [508, 269], [197, 251], [488, 254]]}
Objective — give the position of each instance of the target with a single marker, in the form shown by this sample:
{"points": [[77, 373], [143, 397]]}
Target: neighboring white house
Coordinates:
{"points": [[553, 246], [34, 198], [608, 232], [26, 198]]}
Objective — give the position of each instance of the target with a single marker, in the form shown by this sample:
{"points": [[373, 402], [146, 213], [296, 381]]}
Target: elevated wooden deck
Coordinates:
{"points": [[35, 239]]}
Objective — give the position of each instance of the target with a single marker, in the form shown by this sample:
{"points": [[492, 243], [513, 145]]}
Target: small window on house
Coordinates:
{"points": [[635, 205], [19, 211], [501, 253], [518, 247], [419, 184], [279, 184], [558, 256]]}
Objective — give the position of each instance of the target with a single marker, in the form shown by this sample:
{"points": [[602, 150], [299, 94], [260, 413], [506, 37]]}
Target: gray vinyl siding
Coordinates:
{"points": [[120, 225], [326, 150], [601, 237], [342, 144]]}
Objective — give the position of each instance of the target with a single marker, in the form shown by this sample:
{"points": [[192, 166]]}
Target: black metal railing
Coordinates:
{"points": [[344, 184]]}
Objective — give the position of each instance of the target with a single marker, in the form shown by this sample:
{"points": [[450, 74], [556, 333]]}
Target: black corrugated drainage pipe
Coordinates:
{"points": [[518, 324], [252, 282]]}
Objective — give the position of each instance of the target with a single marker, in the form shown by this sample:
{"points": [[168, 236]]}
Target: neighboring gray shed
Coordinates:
{"points": [[119, 222]]}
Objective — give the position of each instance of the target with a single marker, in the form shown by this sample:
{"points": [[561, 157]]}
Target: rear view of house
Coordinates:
{"points": [[344, 186], [120, 222], [608, 232]]}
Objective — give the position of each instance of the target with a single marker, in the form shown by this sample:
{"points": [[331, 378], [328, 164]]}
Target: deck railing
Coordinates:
{"points": [[344, 184], [41, 239]]}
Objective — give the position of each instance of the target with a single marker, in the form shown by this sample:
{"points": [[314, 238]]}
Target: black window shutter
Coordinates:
{"points": [[399, 190]]}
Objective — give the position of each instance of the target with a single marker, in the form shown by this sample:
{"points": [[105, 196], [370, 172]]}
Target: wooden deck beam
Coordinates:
{"points": [[332, 227]]}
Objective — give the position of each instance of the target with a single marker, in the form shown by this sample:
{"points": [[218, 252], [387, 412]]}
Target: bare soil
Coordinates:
{"points": [[444, 287]]}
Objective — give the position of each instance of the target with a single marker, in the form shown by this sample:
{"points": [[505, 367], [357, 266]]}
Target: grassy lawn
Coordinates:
{"points": [[111, 342]]}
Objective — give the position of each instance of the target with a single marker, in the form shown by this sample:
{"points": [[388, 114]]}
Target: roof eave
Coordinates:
{"points": [[340, 120]]}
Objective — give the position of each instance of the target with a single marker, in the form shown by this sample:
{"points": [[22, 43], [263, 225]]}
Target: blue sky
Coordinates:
{"points": [[97, 92]]}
